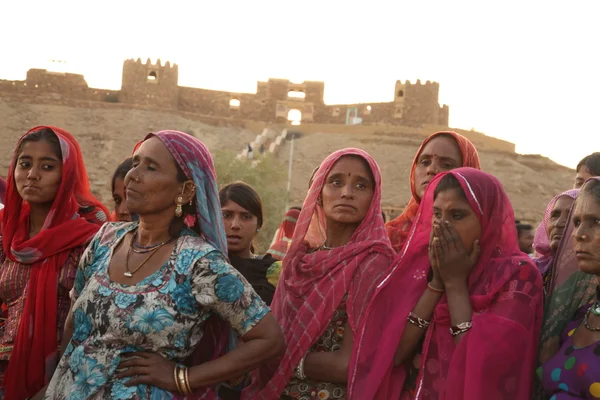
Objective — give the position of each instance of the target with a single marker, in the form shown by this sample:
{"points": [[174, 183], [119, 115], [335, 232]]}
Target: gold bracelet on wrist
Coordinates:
{"points": [[181, 377], [176, 377], [187, 381]]}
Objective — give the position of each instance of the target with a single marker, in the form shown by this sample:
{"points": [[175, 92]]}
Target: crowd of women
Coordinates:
{"points": [[167, 297]]}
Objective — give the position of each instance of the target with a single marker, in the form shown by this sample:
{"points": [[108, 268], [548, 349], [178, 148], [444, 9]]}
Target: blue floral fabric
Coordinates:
{"points": [[165, 313]]}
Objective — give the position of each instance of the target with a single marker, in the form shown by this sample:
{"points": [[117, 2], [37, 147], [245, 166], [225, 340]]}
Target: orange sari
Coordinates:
{"points": [[399, 228]]}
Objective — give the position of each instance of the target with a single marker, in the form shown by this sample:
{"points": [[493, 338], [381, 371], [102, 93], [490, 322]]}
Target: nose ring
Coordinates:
{"points": [[583, 237]]}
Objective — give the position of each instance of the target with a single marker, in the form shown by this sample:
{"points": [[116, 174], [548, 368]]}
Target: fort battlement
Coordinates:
{"points": [[155, 86]]}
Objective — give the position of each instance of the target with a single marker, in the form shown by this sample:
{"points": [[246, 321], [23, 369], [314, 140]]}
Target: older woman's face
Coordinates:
{"points": [[440, 154], [558, 220], [348, 191], [586, 235], [151, 185]]}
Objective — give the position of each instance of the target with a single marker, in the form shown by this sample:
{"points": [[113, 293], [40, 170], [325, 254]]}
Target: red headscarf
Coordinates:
{"points": [[496, 357], [46, 253], [399, 228], [283, 236], [313, 283]]}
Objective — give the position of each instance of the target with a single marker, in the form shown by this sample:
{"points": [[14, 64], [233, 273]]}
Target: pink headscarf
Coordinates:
{"points": [[496, 357], [313, 283], [541, 241]]}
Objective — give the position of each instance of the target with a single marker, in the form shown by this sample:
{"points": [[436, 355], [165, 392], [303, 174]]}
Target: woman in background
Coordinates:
{"points": [[440, 152], [550, 232], [120, 211], [242, 211], [283, 237], [588, 167], [243, 217]]}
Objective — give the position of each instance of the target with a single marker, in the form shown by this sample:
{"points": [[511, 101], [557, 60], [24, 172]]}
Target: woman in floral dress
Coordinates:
{"points": [[149, 293]]}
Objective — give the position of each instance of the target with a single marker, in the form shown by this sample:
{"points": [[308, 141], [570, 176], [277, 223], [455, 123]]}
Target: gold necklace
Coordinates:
{"points": [[128, 273]]}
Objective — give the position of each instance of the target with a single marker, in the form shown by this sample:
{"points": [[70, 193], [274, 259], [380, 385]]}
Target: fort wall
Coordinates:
{"points": [[414, 107]]}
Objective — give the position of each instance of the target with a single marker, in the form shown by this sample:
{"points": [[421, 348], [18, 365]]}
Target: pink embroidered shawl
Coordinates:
{"points": [[496, 358]]}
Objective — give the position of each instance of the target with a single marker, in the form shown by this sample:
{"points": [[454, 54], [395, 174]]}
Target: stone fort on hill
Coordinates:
{"points": [[108, 123], [156, 85]]}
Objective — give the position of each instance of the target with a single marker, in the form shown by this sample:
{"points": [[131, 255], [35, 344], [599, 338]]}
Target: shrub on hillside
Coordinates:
{"points": [[268, 178]]}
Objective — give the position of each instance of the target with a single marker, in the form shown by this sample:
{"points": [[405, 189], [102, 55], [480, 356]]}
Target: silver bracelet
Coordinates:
{"points": [[299, 370]]}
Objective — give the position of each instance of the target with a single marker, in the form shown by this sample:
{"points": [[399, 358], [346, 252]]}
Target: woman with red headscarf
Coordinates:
{"points": [[284, 234], [323, 291], [43, 237], [440, 152], [463, 295]]}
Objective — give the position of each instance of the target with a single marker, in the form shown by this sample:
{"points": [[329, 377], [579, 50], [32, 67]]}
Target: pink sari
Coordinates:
{"points": [[313, 283], [493, 360]]}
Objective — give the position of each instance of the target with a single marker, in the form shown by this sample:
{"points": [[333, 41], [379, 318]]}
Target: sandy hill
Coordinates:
{"points": [[106, 136], [530, 180]]}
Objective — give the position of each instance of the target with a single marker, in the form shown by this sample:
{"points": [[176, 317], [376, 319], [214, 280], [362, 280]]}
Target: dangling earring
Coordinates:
{"points": [[320, 201], [178, 209], [192, 198]]}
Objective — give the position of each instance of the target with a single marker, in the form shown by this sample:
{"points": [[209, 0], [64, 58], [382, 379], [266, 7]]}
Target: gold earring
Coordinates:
{"points": [[193, 191], [178, 209]]}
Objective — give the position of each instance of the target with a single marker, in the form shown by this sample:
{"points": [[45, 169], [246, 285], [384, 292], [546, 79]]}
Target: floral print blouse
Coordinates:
{"points": [[165, 313], [330, 340]]}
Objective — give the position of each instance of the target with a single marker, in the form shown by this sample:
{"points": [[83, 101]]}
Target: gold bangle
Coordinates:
{"points": [[175, 375], [187, 381], [180, 377], [182, 384]]}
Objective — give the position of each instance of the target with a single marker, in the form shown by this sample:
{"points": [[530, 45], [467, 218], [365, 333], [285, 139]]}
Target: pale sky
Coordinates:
{"points": [[524, 71]]}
